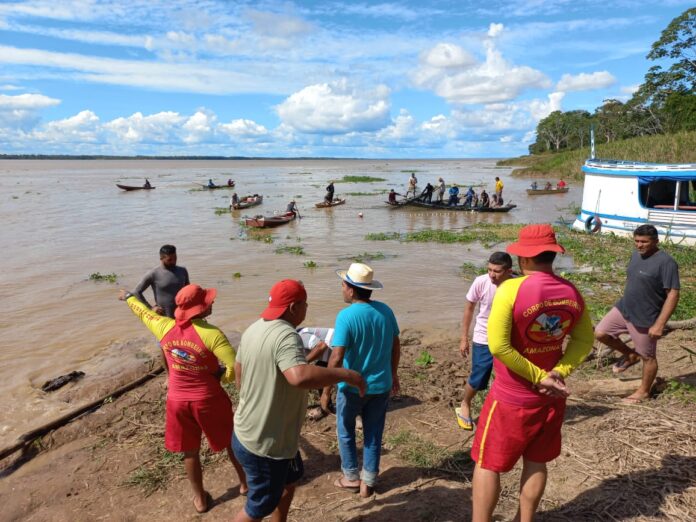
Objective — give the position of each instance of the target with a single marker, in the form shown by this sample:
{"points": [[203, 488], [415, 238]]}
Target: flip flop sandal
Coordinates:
{"points": [[340, 484], [465, 423], [623, 364]]}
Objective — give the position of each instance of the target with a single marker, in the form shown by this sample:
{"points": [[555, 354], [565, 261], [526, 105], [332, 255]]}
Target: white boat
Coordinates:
{"points": [[618, 196]]}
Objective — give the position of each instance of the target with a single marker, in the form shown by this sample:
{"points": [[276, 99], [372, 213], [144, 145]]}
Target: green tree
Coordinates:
{"points": [[677, 43]]}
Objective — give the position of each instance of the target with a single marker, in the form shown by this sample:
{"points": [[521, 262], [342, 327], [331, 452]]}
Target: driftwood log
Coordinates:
{"points": [[34, 434]]}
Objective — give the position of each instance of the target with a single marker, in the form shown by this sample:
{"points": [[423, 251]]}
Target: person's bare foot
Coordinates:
{"points": [[366, 491], [635, 398], [202, 504]]}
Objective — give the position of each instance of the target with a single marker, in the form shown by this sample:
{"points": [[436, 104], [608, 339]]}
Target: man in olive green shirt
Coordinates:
{"points": [[273, 378]]}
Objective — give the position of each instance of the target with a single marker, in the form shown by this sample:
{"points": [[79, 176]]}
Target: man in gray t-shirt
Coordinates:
{"points": [[650, 296], [166, 280]]}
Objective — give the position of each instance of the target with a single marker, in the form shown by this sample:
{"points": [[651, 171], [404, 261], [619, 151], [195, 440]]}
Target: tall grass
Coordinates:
{"points": [[668, 148]]}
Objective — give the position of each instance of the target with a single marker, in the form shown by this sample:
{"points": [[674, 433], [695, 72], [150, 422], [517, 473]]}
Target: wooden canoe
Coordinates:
{"points": [[460, 208], [269, 221], [334, 203], [205, 186], [504, 208], [248, 201], [130, 187], [542, 192]]}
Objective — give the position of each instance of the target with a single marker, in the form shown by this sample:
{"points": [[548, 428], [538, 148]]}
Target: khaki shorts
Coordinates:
{"points": [[615, 324]]}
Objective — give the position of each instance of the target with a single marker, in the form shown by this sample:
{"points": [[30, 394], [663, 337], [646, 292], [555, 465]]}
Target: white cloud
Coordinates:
{"points": [[10, 87], [199, 127], [160, 127], [630, 89], [244, 129], [461, 80], [22, 111], [585, 81], [186, 77], [334, 108], [494, 30], [81, 128], [26, 101]]}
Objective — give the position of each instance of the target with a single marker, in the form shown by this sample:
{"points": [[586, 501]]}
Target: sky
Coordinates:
{"points": [[345, 79]]}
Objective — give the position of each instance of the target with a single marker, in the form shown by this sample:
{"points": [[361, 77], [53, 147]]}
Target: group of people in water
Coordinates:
{"points": [[471, 199]]}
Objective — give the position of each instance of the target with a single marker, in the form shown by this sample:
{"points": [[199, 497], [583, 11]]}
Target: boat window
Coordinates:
{"points": [[662, 194]]}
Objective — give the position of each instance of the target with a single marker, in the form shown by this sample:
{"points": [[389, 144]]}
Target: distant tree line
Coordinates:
{"points": [[664, 103]]}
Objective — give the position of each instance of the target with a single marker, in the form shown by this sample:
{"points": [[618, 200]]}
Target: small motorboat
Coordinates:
{"points": [[130, 187], [335, 202], [248, 202], [269, 221]]}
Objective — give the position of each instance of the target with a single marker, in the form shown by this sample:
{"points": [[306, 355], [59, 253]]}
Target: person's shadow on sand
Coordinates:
{"points": [[632, 495]]}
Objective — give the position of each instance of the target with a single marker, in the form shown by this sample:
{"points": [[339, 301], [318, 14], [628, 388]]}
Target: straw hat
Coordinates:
{"points": [[360, 275]]}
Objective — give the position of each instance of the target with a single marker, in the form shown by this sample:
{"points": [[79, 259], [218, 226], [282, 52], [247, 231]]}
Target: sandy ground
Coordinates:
{"points": [[618, 462]]}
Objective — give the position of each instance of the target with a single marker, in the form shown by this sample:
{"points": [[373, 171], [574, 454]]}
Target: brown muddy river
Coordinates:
{"points": [[64, 220]]}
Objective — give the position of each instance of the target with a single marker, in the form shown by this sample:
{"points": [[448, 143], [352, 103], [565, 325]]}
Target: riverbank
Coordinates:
{"points": [[626, 462], [663, 148]]}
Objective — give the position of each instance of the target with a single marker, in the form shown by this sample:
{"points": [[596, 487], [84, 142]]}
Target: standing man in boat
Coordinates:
{"points": [[412, 183], [650, 297], [499, 188], [329, 193], [427, 194], [481, 292], [166, 280], [196, 402], [523, 414], [147, 184], [234, 201], [366, 339], [273, 378], [453, 195], [292, 207], [561, 184], [210, 183], [441, 187]]}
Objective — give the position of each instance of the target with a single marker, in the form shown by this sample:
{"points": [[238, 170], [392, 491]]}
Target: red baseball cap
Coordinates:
{"points": [[192, 300], [282, 295], [532, 240]]}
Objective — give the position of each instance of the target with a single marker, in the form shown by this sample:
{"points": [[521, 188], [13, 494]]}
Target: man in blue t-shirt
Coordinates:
{"points": [[366, 339]]}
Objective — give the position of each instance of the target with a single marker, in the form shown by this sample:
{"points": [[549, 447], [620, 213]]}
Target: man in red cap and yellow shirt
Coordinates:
{"points": [[522, 416], [196, 402]]}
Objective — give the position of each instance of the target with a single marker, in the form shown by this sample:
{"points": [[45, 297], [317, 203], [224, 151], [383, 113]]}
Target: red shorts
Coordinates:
{"points": [[186, 420], [506, 432]]}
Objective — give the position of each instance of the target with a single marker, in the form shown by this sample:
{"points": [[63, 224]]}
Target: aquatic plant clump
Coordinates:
{"points": [[109, 278]]}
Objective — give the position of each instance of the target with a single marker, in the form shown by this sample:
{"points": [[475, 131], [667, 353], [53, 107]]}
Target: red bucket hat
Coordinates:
{"points": [[282, 295], [191, 300], [532, 240]]}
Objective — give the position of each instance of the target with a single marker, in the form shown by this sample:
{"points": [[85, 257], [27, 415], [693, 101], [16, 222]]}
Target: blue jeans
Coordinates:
{"points": [[373, 410]]}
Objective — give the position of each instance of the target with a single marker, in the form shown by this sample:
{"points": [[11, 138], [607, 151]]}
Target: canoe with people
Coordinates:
{"points": [[461, 208], [128, 188], [560, 188], [333, 203], [212, 186], [261, 221], [245, 202]]}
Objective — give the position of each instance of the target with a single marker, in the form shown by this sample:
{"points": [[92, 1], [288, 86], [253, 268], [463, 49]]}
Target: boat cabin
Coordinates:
{"points": [[618, 196]]}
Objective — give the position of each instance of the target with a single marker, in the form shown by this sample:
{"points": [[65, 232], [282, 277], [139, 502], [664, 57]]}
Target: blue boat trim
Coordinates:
{"points": [[681, 174]]}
